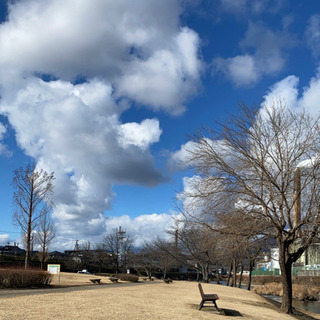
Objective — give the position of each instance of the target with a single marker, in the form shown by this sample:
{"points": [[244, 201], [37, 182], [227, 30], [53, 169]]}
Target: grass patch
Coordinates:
{"points": [[299, 291]]}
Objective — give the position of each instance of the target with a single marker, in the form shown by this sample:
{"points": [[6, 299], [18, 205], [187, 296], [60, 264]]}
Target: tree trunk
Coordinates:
{"points": [[28, 245], [218, 275], [229, 275], [149, 273], [250, 274], [241, 273], [165, 273], [286, 278], [205, 273], [234, 273]]}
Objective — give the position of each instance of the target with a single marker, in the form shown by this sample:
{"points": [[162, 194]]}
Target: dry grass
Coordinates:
{"points": [[299, 291], [145, 300]]}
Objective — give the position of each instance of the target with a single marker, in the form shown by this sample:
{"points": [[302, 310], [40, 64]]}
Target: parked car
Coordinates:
{"points": [[84, 271]]}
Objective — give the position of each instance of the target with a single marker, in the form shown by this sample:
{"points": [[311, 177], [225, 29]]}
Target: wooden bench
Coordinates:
{"points": [[113, 279], [167, 281], [145, 279], [207, 297], [98, 281]]}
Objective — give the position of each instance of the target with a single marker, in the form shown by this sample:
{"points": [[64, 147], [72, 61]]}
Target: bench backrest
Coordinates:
{"points": [[201, 290]]}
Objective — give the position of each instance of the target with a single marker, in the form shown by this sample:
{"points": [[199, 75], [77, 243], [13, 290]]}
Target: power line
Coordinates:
{"points": [[9, 232]]}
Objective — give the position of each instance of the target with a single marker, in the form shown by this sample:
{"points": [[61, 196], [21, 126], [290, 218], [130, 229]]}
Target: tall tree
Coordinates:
{"points": [[46, 232], [32, 196], [118, 244], [251, 162]]}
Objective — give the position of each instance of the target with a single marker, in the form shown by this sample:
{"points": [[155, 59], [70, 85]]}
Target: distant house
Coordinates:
{"points": [[310, 259], [11, 250], [56, 254]]}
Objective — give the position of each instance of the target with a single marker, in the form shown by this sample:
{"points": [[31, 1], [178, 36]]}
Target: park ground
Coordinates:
{"points": [[77, 298]]}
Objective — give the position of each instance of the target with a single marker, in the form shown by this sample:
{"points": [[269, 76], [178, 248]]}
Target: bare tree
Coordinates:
{"points": [[86, 254], [194, 246], [118, 245], [32, 199], [46, 232], [101, 255], [147, 258], [198, 247], [252, 162]]}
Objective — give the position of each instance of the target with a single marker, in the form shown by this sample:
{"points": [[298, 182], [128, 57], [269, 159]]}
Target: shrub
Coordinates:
{"points": [[299, 291], [17, 278], [272, 288], [128, 277]]}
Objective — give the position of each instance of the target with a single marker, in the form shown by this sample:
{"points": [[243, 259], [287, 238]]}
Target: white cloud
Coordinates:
{"points": [[138, 48], [287, 91], [141, 229], [144, 227], [3, 148], [241, 70], [127, 53], [4, 238], [76, 134], [313, 34], [180, 159], [264, 54], [165, 78], [140, 135]]}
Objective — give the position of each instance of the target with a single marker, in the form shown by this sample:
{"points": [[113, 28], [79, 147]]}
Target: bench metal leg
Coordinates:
{"points": [[203, 301]]}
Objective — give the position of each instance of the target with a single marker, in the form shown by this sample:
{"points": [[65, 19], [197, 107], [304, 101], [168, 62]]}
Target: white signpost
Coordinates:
{"points": [[54, 269]]}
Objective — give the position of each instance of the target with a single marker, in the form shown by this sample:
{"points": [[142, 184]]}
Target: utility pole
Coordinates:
{"points": [[120, 237]]}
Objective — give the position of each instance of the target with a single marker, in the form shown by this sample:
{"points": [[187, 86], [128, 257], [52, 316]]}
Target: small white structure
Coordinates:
{"points": [[274, 258]]}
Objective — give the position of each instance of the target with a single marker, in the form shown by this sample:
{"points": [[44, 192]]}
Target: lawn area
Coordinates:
{"points": [[145, 300]]}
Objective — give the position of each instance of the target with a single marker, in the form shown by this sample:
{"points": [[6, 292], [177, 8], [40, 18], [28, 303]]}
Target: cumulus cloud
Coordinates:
{"points": [[287, 91], [138, 48], [68, 72], [264, 54], [143, 228], [179, 160], [77, 134], [140, 135], [241, 70]]}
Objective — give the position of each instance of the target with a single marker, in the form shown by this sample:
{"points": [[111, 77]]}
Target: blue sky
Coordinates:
{"points": [[105, 94]]}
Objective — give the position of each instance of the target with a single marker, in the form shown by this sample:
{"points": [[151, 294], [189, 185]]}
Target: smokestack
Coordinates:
{"points": [[297, 197]]}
